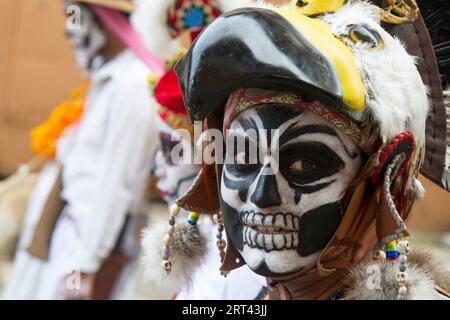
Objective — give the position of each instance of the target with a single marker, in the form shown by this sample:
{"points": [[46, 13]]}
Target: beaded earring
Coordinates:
{"points": [[168, 239], [221, 243], [397, 247]]}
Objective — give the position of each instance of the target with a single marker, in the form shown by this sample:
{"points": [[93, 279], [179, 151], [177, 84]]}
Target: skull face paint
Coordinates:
{"points": [[87, 38], [280, 220], [173, 164]]}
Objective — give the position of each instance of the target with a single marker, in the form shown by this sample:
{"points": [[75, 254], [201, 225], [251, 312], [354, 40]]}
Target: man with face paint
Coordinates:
{"points": [[174, 164], [323, 115], [92, 248]]}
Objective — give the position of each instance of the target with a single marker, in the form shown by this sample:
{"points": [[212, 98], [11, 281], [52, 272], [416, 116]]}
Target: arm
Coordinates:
{"points": [[124, 167]]}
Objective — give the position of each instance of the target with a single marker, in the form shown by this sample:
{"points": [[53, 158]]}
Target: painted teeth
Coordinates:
{"points": [[270, 242], [271, 223]]}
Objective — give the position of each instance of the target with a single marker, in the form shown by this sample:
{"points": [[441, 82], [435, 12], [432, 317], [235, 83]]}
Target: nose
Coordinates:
{"points": [[266, 193]]}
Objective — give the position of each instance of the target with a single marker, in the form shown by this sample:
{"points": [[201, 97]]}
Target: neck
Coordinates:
{"points": [[113, 47], [309, 286]]}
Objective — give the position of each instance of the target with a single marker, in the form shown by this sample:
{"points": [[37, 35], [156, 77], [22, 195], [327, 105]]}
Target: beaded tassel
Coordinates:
{"points": [[221, 243], [402, 276], [168, 239]]}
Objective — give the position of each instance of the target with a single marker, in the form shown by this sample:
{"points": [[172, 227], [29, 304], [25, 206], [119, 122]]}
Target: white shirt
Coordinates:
{"points": [[107, 168]]}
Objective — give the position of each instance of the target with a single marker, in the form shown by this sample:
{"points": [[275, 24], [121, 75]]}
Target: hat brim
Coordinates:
{"points": [[120, 5]]}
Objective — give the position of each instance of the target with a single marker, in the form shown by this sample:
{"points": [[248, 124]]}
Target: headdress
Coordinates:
{"points": [[336, 54]]}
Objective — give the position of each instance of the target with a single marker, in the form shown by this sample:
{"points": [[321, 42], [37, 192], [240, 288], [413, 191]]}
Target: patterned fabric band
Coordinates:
{"points": [[243, 99]]}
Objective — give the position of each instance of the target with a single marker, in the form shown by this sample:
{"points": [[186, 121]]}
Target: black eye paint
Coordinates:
{"points": [[326, 161], [167, 146], [87, 41]]}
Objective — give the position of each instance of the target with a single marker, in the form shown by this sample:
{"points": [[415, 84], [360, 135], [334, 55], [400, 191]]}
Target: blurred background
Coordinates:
{"points": [[37, 72]]}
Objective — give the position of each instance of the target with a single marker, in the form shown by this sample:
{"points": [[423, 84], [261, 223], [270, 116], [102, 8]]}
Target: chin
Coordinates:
{"points": [[277, 263]]}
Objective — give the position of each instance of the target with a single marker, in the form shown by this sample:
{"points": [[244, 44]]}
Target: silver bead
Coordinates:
{"points": [[403, 259], [402, 268], [172, 221], [171, 230]]}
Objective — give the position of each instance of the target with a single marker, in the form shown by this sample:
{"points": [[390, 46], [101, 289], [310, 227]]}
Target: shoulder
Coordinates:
{"points": [[375, 280]]}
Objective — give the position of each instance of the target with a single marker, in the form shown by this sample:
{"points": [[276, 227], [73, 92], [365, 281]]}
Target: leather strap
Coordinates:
{"points": [[40, 244]]}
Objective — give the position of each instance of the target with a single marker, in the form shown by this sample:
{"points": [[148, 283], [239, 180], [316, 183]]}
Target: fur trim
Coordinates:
{"points": [[396, 97], [187, 255], [373, 280]]}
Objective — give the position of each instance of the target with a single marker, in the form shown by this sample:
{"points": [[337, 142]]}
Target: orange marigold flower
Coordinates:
{"points": [[44, 137]]}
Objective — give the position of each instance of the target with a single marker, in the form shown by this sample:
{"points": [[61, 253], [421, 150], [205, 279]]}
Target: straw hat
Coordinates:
{"points": [[121, 5]]}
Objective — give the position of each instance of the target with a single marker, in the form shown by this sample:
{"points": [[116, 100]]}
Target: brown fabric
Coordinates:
{"points": [[418, 43], [203, 196], [106, 278], [40, 244], [307, 287]]}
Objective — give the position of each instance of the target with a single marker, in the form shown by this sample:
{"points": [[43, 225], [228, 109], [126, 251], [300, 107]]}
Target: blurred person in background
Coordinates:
{"points": [[176, 24], [79, 238]]}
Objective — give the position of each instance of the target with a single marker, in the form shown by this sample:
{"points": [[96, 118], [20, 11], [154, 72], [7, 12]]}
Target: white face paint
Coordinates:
{"points": [[280, 222], [173, 165], [87, 39]]}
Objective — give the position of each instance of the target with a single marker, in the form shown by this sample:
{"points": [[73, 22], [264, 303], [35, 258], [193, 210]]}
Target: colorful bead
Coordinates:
{"points": [[193, 218], [391, 251]]}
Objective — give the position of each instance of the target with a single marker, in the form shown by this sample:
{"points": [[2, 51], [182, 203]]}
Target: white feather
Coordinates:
{"points": [[398, 98], [184, 268]]}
